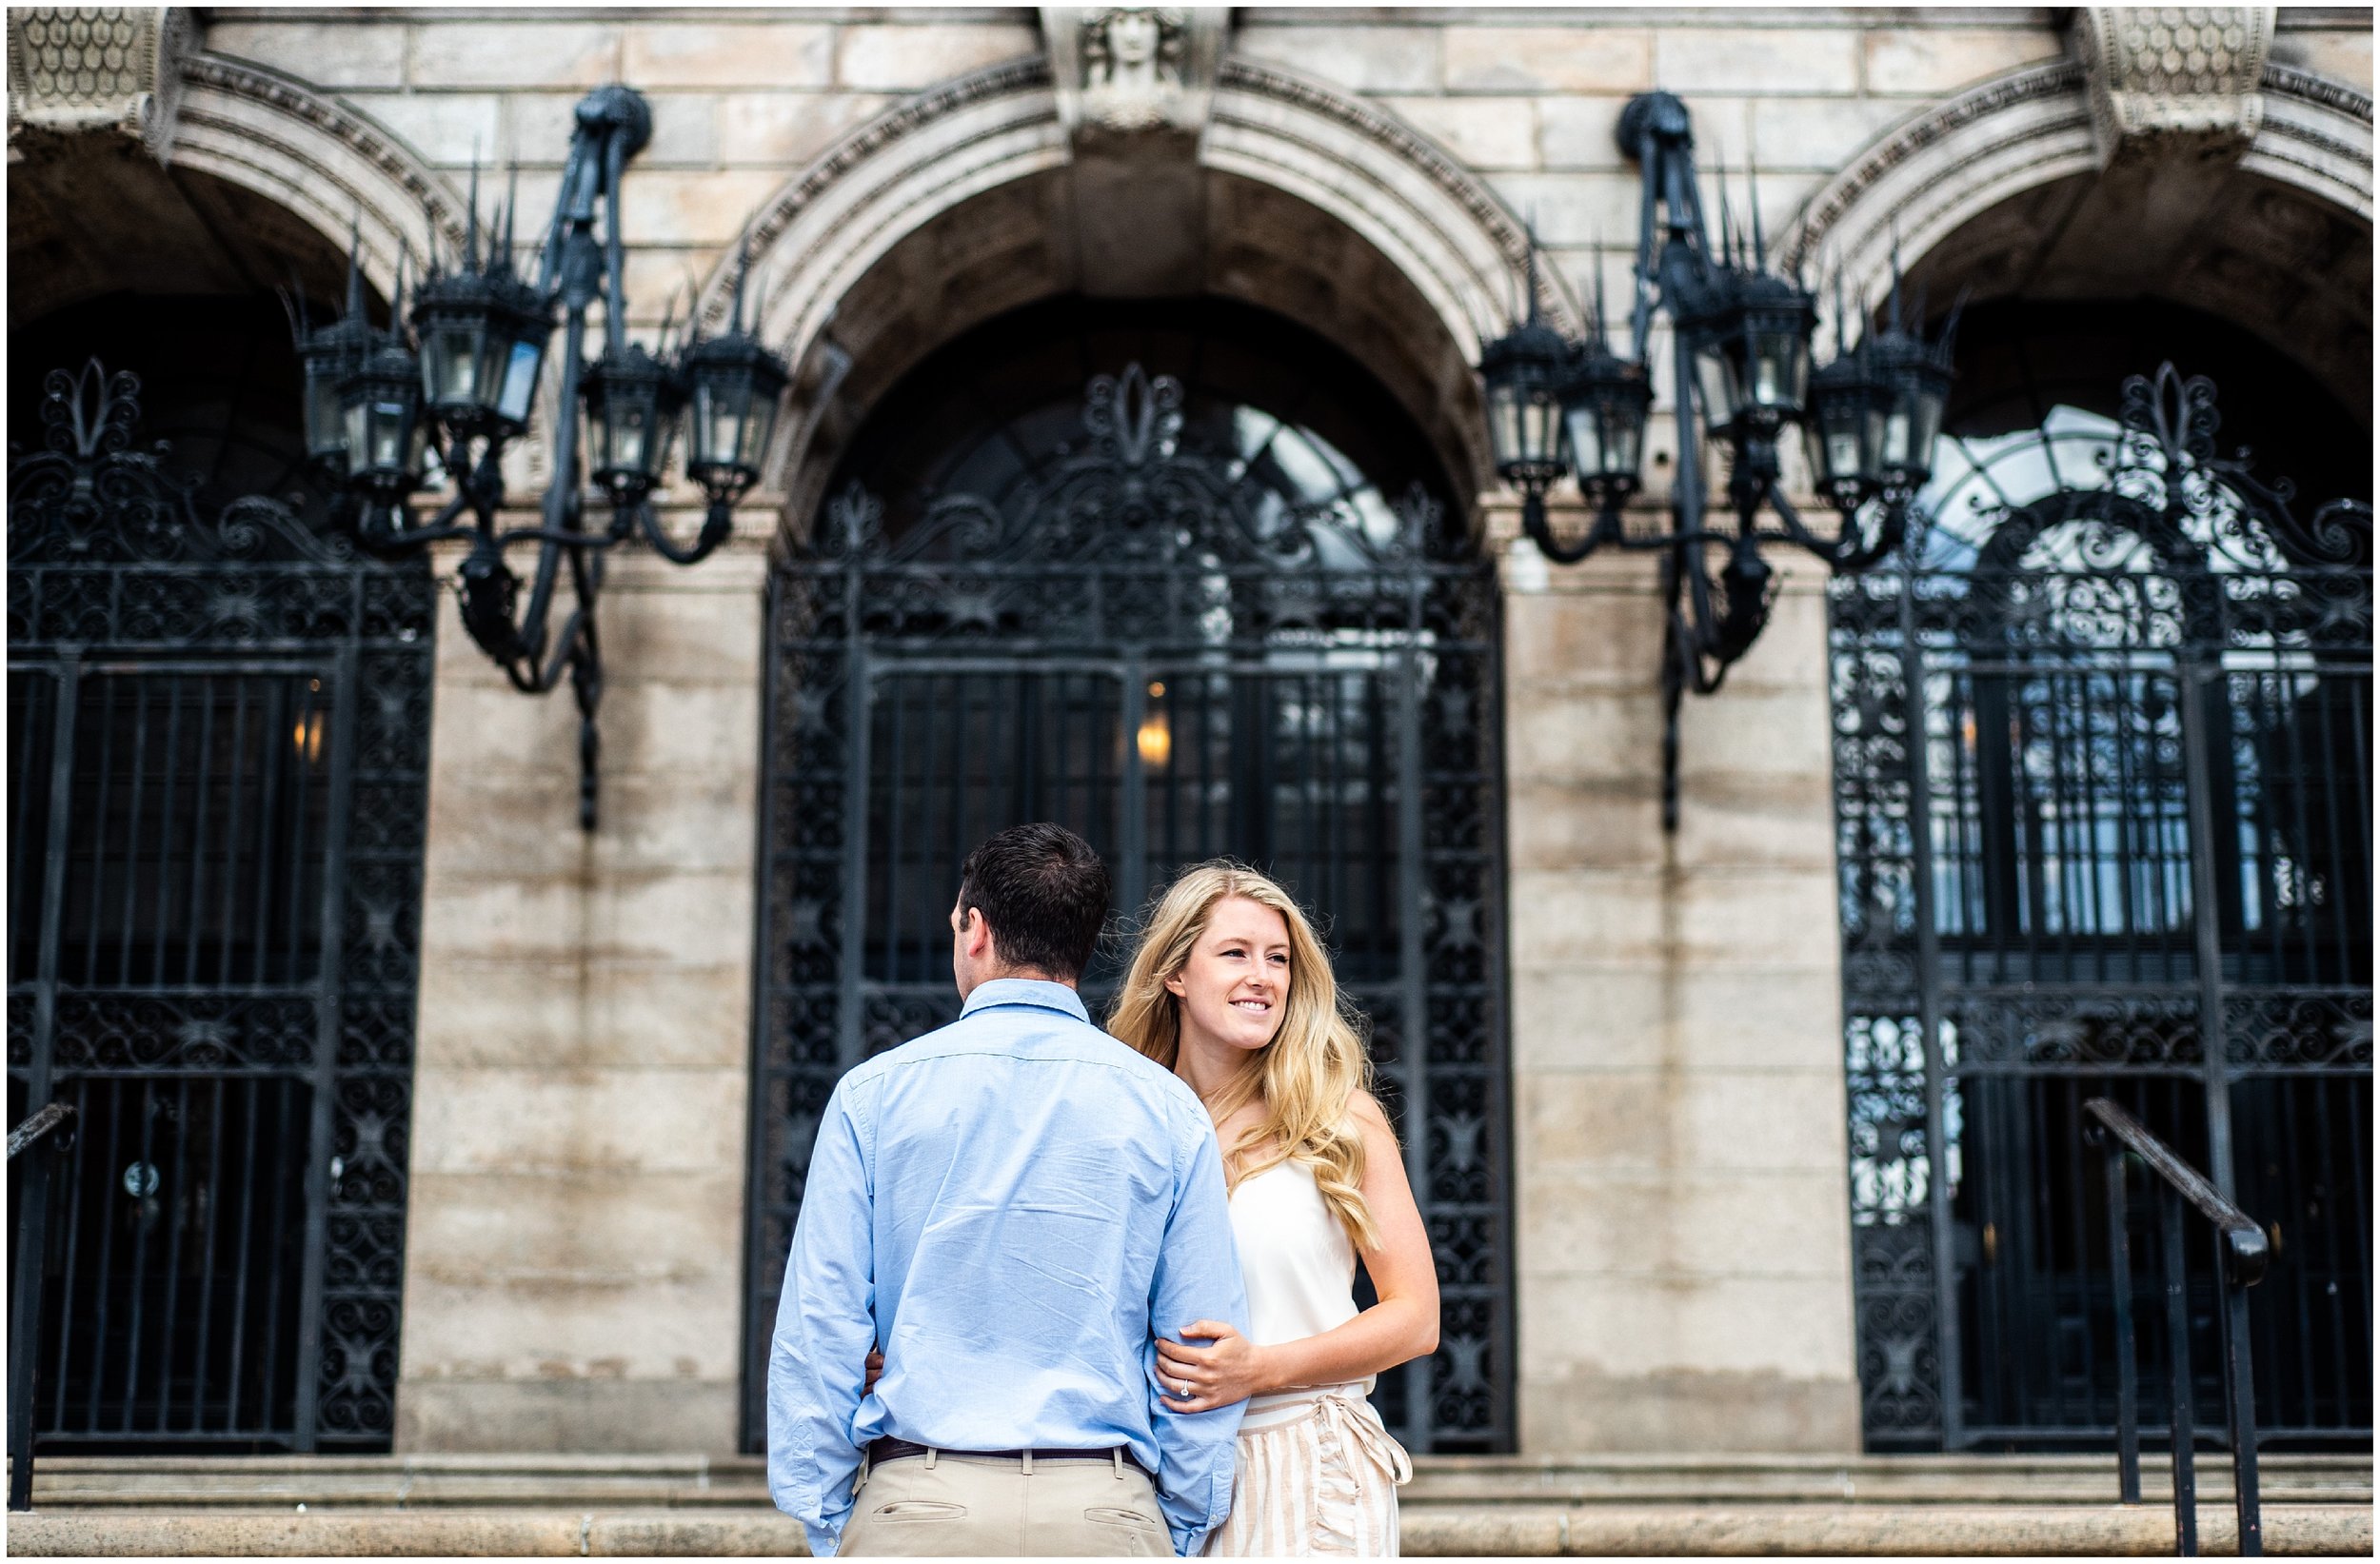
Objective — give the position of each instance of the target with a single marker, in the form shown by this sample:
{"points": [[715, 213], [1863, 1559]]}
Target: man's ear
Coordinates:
{"points": [[976, 930]]}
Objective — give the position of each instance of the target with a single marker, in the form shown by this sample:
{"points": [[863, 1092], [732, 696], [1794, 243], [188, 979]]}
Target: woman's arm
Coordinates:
{"points": [[1401, 1327]]}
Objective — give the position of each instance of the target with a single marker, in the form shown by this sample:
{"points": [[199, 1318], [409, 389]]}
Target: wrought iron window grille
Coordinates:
{"points": [[1144, 638], [219, 727], [2102, 741]]}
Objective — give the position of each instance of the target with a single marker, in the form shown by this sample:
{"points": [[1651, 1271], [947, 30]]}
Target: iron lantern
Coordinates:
{"points": [[734, 385], [1752, 349], [381, 406], [1523, 371], [632, 403], [328, 355], [1915, 378], [483, 333], [1875, 412], [1845, 427], [1741, 348], [1606, 400]]}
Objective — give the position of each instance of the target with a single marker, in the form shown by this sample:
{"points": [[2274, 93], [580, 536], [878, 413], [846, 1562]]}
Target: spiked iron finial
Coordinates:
{"points": [[355, 264], [471, 222], [512, 209], [1751, 182]]}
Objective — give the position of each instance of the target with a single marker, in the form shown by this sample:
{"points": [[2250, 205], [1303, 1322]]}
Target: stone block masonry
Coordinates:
{"points": [[575, 1255]]}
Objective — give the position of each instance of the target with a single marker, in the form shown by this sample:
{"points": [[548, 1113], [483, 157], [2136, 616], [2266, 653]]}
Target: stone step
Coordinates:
{"points": [[1512, 1531], [699, 1482]]}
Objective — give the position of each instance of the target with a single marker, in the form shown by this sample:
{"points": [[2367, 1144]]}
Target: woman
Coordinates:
{"points": [[1231, 990]]}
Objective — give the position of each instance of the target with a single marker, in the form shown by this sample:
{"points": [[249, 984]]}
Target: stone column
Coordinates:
{"points": [[1683, 1251], [574, 1252]]}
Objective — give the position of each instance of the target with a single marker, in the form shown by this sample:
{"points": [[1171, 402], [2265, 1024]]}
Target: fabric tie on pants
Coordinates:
{"points": [[1363, 1429]]}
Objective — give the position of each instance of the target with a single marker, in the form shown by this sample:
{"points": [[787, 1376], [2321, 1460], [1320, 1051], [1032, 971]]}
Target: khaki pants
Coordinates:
{"points": [[943, 1505]]}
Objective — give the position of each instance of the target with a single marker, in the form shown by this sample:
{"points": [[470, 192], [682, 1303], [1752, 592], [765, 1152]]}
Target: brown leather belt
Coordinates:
{"points": [[889, 1449]]}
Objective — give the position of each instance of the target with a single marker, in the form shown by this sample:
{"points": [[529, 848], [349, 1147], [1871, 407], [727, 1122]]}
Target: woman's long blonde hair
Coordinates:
{"points": [[1307, 1077]]}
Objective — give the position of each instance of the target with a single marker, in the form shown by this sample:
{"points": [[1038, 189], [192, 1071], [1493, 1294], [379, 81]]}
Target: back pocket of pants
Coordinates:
{"points": [[919, 1509], [1124, 1518]]}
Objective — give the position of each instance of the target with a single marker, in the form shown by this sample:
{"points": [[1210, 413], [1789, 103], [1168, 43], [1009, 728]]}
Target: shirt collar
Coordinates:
{"points": [[1026, 991]]}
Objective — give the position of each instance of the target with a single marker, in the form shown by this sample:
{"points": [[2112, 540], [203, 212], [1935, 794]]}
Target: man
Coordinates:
{"points": [[1013, 1207]]}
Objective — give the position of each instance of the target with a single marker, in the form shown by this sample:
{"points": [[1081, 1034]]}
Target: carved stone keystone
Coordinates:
{"points": [[99, 68], [2173, 77], [1123, 71], [1135, 86]]}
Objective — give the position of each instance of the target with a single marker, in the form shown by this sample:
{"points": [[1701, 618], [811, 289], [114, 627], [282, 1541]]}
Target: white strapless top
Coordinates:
{"points": [[1299, 1268]]}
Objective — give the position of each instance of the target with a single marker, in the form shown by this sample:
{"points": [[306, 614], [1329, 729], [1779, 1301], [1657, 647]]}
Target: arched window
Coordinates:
{"points": [[1182, 577], [2103, 798], [218, 749]]}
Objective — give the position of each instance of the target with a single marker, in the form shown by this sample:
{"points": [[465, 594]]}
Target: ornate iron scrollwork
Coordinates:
{"points": [[2111, 714], [188, 663], [1180, 655], [87, 496]]}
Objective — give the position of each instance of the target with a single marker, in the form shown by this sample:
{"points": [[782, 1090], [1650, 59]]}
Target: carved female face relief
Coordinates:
{"points": [[1132, 38], [1131, 51]]}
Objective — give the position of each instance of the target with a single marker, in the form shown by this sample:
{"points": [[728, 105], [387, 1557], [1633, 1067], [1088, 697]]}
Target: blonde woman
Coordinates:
{"points": [[1231, 990]]}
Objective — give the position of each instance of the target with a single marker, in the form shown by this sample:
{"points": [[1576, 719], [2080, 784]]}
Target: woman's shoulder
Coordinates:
{"points": [[1369, 1118]]}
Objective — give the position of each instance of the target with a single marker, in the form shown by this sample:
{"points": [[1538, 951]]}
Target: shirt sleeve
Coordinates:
{"points": [[1197, 1278], [826, 1327]]}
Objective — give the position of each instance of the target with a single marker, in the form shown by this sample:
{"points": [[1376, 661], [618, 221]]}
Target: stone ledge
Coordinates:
{"points": [[586, 1481], [1429, 1531]]}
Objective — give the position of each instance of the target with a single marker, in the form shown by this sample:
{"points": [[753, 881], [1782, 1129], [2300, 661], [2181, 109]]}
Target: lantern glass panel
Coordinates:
{"points": [[1721, 386], [758, 420], [1895, 446], [1505, 425], [1838, 435], [1780, 368], [517, 378], [450, 365], [1623, 442], [721, 400], [623, 435], [383, 438], [325, 414], [1925, 423], [1586, 421]]}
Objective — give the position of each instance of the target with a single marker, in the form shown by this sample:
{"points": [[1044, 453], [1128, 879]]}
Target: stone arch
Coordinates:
{"points": [[273, 134], [2008, 189], [1314, 204], [1934, 172]]}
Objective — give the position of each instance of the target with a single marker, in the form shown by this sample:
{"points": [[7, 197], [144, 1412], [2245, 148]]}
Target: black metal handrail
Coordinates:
{"points": [[2244, 1255], [48, 1120], [52, 1125]]}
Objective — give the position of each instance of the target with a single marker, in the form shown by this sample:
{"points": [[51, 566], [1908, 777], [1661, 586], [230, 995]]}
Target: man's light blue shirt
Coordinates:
{"points": [[1013, 1207]]}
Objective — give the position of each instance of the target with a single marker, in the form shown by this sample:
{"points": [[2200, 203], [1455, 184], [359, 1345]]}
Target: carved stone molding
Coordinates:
{"points": [[99, 68], [1125, 71], [859, 262], [278, 136], [1923, 178], [2163, 77], [1482, 248], [1932, 173]]}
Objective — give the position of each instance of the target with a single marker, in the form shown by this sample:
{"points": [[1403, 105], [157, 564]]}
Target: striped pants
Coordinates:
{"points": [[1315, 1477]]}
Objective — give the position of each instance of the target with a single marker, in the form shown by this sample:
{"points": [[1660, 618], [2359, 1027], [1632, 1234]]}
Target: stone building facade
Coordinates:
{"points": [[1677, 1252]]}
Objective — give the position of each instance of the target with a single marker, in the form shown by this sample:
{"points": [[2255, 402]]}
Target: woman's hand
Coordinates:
{"points": [[1201, 1378], [875, 1371]]}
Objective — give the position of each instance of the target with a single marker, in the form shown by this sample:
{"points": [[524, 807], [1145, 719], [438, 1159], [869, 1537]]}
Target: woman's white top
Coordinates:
{"points": [[1299, 1268]]}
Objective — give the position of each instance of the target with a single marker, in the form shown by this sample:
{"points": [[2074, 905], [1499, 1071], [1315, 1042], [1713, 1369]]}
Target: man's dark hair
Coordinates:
{"points": [[1044, 892]]}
